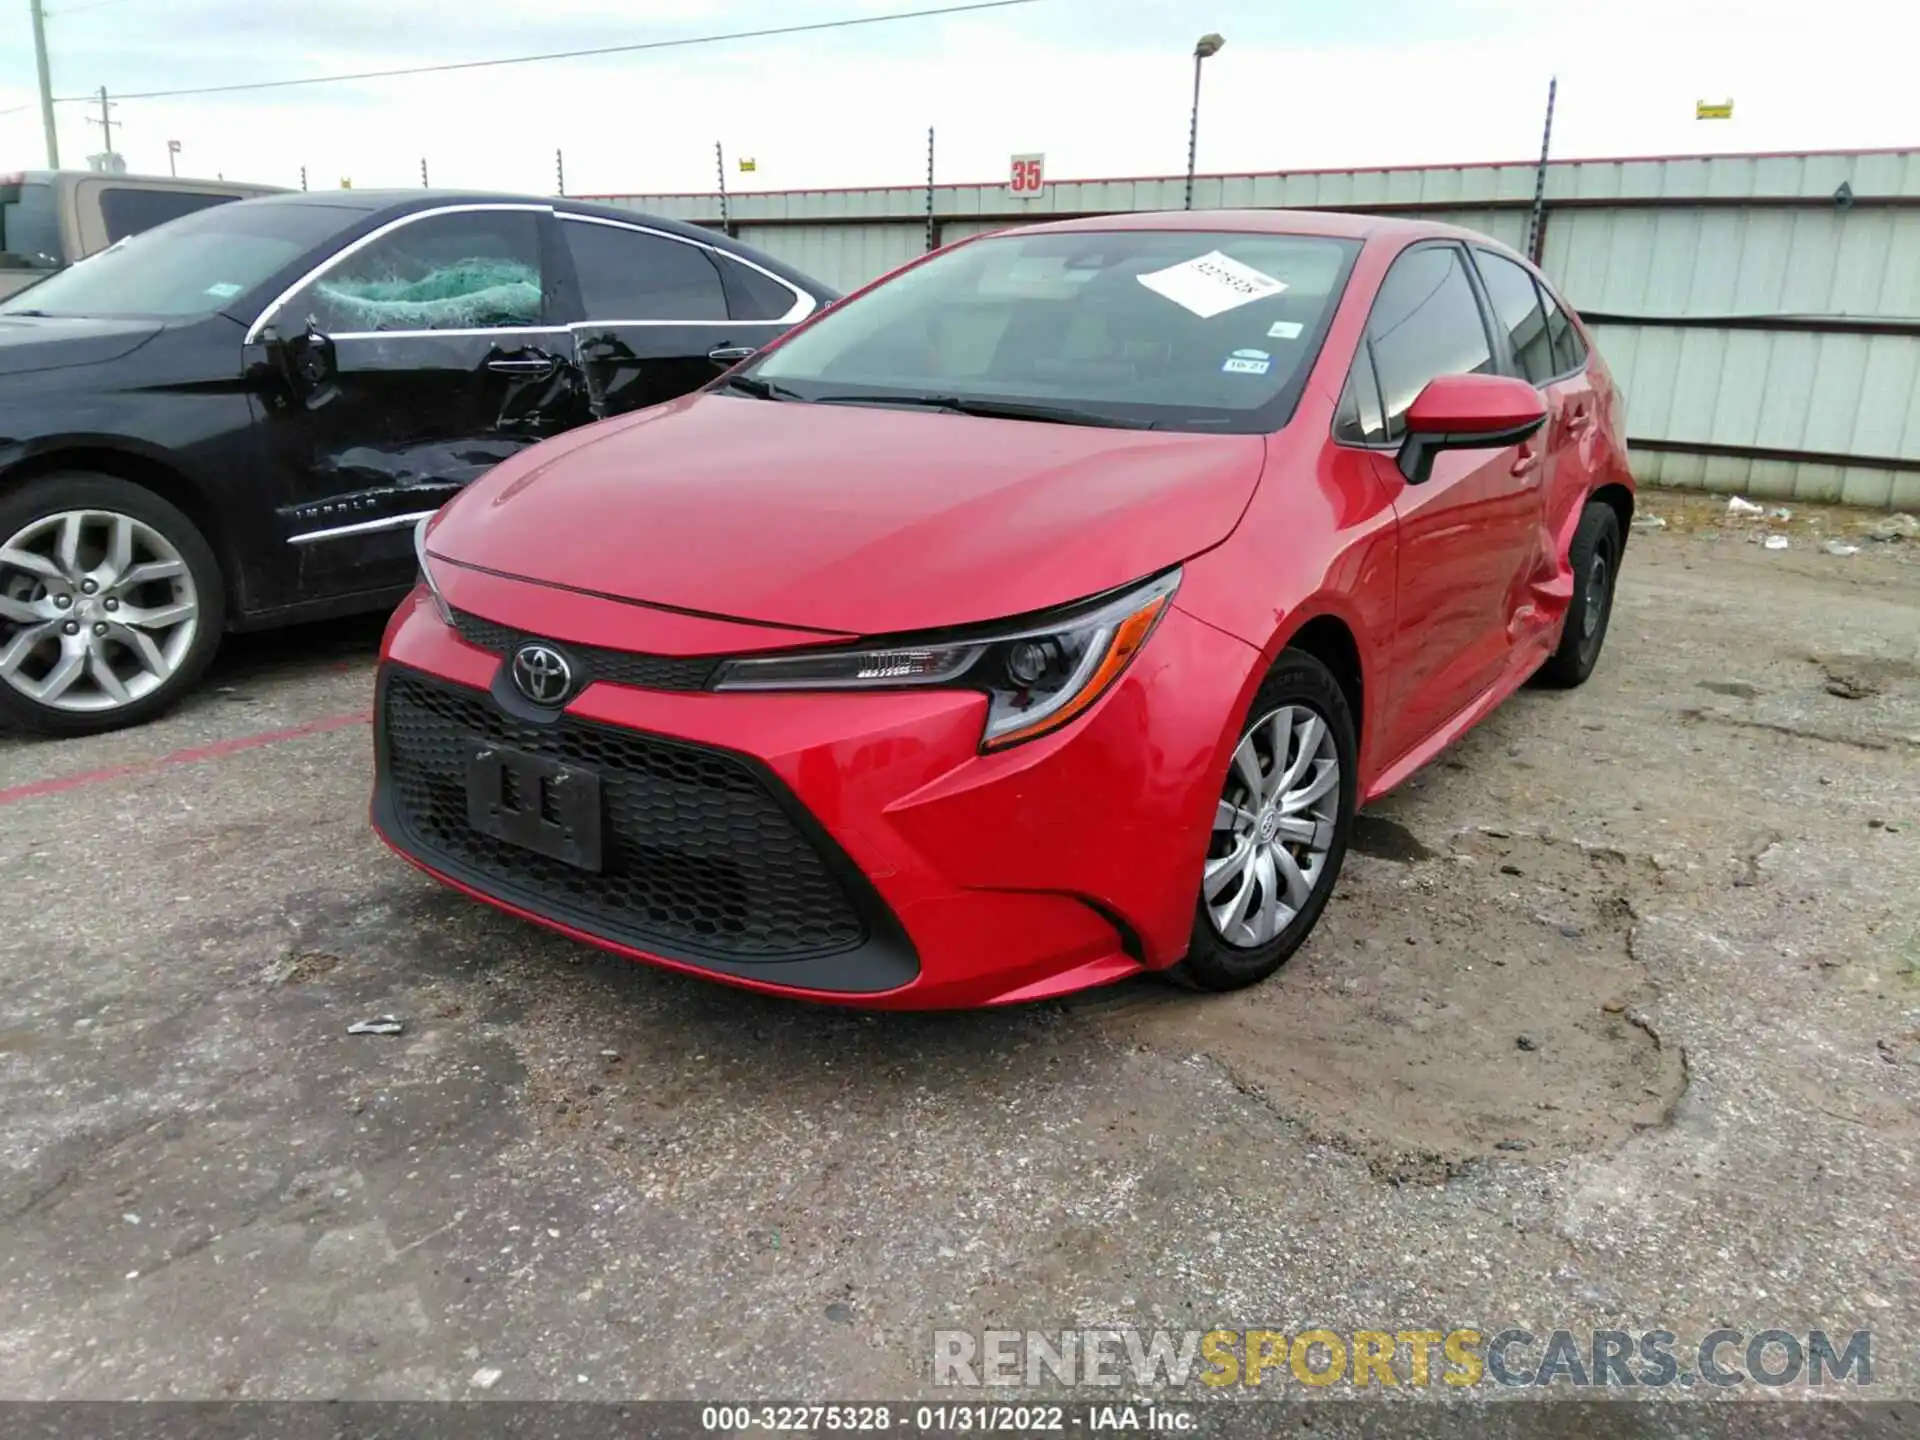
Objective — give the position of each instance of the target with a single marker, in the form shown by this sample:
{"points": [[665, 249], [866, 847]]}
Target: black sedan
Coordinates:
{"points": [[237, 420]]}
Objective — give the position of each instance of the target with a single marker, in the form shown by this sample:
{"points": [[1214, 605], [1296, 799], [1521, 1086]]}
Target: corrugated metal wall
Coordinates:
{"points": [[1767, 336]]}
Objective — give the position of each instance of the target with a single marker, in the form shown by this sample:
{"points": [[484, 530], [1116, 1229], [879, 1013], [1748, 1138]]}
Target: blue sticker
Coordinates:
{"points": [[1247, 362]]}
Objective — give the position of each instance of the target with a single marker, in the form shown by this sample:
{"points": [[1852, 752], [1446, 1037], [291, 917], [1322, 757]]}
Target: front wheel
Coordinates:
{"points": [[1280, 829], [111, 604]]}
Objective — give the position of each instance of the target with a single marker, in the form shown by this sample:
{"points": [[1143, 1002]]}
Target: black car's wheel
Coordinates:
{"points": [[1280, 829], [111, 604], [1595, 559]]}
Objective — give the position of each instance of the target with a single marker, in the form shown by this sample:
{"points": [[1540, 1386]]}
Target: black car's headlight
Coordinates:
{"points": [[426, 570], [1037, 675]]}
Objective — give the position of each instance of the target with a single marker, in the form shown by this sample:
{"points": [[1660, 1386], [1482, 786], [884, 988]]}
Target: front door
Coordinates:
{"points": [[1468, 534], [420, 357], [661, 315]]}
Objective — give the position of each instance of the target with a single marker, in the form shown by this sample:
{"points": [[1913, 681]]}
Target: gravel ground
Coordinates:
{"points": [[1614, 1022]]}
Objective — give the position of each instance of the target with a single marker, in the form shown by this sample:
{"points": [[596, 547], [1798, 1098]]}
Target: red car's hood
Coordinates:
{"points": [[845, 518]]}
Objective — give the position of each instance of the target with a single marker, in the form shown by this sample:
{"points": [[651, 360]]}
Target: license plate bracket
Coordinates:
{"points": [[542, 805]]}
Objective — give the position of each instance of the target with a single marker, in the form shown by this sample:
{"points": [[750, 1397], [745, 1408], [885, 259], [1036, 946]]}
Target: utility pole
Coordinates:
{"points": [[173, 149], [559, 172], [303, 177], [46, 82], [720, 163], [106, 124], [423, 173], [1537, 221]]}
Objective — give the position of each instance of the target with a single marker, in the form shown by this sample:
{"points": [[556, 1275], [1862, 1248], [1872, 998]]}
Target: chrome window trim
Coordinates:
{"points": [[803, 303], [253, 330], [361, 527]]}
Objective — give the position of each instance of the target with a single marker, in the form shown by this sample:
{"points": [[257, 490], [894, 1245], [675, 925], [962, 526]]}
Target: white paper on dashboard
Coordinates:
{"points": [[1212, 284]]}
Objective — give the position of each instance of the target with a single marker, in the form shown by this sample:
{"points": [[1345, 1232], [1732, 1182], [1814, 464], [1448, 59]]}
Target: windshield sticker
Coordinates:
{"points": [[1285, 330], [1247, 362], [1211, 284], [223, 290]]}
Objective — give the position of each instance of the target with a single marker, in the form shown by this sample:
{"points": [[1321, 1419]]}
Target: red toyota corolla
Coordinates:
{"points": [[1037, 616]]}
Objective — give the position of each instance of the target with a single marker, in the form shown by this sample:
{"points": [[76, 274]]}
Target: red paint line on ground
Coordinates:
{"points": [[194, 756]]}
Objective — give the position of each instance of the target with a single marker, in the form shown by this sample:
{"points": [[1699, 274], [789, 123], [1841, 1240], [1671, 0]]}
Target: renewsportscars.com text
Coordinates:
{"points": [[1459, 1357]]}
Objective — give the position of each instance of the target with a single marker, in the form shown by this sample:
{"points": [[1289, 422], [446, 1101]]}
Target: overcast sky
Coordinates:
{"points": [[1102, 87]]}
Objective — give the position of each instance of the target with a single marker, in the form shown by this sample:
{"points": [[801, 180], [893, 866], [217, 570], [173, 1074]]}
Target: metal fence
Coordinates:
{"points": [[1761, 312]]}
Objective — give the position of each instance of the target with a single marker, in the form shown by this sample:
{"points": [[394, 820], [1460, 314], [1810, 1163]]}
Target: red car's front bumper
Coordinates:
{"points": [[1069, 861]]}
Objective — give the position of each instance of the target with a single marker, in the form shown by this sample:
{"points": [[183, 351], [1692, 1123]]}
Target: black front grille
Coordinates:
{"points": [[617, 667], [704, 855]]}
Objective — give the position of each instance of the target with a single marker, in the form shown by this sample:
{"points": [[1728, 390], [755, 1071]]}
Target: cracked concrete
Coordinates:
{"points": [[1692, 888]]}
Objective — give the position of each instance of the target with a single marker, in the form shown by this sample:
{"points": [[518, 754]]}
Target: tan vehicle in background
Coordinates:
{"points": [[51, 218]]}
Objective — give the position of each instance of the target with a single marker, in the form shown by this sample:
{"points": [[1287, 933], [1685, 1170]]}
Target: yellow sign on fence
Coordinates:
{"points": [[1711, 110], [747, 163]]}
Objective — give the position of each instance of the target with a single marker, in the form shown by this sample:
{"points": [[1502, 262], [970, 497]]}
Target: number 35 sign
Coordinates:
{"points": [[1027, 177]]}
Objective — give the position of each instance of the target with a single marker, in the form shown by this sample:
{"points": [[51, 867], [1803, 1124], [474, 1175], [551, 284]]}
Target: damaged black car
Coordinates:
{"points": [[236, 420]]}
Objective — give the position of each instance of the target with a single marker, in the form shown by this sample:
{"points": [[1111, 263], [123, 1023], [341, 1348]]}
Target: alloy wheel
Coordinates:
{"points": [[1274, 826], [97, 610]]}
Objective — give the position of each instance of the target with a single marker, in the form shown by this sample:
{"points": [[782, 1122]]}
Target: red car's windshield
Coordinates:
{"points": [[1178, 329]]}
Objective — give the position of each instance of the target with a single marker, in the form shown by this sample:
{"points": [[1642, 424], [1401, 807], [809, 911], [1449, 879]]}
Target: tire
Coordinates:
{"points": [[1214, 961], [1594, 558], [80, 555]]}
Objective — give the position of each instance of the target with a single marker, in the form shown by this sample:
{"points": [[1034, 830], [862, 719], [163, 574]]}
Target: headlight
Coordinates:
{"points": [[426, 570], [1036, 677]]}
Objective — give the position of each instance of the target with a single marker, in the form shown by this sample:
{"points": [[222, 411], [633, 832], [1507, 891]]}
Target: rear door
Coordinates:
{"points": [[1541, 346], [660, 315], [1468, 534], [414, 360]]}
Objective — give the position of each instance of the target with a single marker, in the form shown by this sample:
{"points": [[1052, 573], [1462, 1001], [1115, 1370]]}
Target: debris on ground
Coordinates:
{"points": [[1777, 542], [1526, 1042], [1840, 547], [1649, 522], [1850, 686], [379, 1025], [1780, 512], [1894, 527], [1740, 505], [485, 1378]]}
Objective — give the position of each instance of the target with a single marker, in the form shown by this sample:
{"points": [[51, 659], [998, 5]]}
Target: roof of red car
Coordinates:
{"points": [[1340, 224]]}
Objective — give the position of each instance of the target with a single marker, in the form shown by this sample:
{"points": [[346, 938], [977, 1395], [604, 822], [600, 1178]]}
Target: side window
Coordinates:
{"points": [[470, 270], [1359, 420], [632, 275], [752, 295], [128, 211], [1516, 305], [1569, 351], [1425, 322]]}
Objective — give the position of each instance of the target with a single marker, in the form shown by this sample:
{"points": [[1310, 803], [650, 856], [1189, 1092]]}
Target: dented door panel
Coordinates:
{"points": [[376, 430]]}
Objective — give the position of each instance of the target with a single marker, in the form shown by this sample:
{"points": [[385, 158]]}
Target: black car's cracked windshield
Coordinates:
{"points": [[1174, 329], [192, 266]]}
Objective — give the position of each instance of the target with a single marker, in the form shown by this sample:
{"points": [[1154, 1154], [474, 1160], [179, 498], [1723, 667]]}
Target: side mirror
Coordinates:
{"points": [[1468, 412]]}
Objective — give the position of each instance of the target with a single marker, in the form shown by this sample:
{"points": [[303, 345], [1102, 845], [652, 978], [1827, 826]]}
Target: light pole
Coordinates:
{"points": [[1205, 46], [173, 149]]}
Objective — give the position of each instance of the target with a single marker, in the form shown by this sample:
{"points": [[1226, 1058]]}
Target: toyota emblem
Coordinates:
{"points": [[542, 674]]}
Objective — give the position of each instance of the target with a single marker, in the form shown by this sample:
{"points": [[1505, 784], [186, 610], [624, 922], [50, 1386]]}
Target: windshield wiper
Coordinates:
{"points": [[992, 409], [36, 314], [759, 389]]}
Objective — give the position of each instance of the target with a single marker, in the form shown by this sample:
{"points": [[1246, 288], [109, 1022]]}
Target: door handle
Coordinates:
{"points": [[526, 367], [1579, 422], [1528, 461], [732, 354]]}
